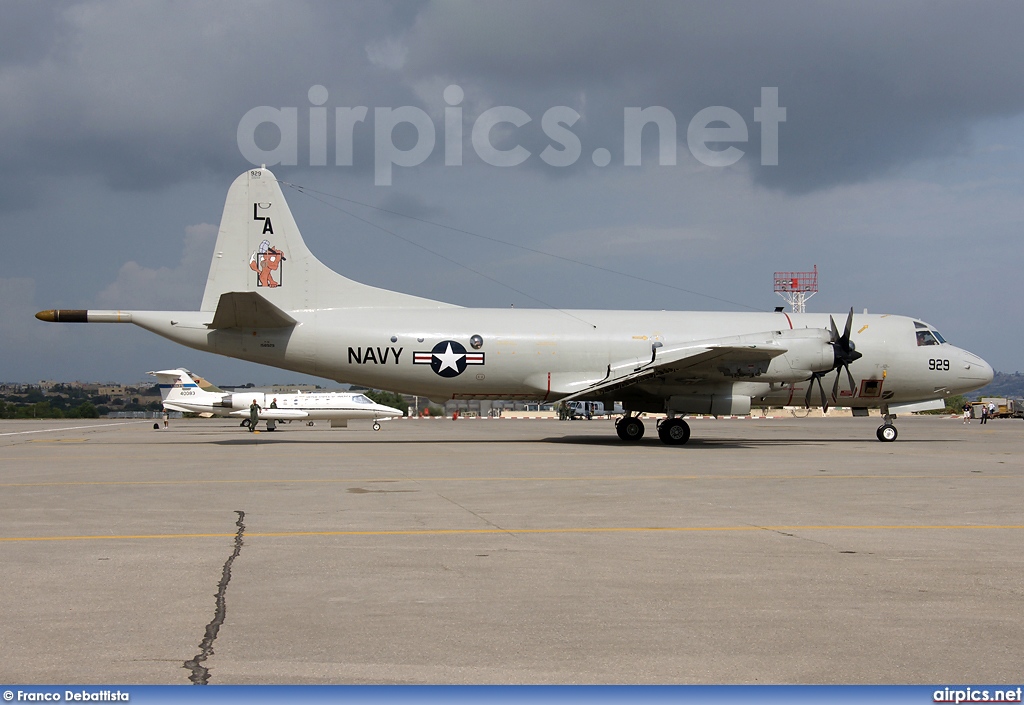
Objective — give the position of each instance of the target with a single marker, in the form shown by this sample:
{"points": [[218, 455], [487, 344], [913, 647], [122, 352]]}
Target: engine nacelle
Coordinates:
{"points": [[808, 350], [243, 400]]}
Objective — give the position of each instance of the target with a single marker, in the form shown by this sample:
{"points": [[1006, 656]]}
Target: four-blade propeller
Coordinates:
{"points": [[845, 353]]}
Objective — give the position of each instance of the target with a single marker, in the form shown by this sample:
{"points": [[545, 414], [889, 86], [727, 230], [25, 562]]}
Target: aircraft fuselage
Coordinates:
{"points": [[547, 354]]}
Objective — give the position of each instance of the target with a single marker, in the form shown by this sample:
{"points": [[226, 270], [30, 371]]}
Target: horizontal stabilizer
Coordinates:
{"points": [[247, 309]]}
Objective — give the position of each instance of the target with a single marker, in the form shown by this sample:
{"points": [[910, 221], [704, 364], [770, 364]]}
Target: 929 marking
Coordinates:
{"points": [[938, 365]]}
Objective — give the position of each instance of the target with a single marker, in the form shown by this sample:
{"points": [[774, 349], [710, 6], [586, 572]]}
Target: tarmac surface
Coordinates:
{"points": [[511, 551]]}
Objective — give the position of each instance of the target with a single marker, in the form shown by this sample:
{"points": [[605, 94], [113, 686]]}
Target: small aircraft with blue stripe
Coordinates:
{"points": [[181, 391]]}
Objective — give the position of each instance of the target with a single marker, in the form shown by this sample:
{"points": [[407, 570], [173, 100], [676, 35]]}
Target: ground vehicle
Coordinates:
{"points": [[589, 409], [1005, 408]]}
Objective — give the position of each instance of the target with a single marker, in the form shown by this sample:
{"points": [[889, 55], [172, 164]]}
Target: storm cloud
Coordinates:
{"points": [[898, 160]]}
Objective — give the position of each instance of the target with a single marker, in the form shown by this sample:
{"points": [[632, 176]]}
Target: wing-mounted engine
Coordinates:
{"points": [[773, 357], [808, 352]]}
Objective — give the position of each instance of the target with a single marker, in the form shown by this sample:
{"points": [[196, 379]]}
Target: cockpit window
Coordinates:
{"points": [[925, 337], [939, 337], [361, 399]]}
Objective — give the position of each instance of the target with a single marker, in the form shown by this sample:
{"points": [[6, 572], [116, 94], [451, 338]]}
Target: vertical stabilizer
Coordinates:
{"points": [[179, 385], [259, 249]]}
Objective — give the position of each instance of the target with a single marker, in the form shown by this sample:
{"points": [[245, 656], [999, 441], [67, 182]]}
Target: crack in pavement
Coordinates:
{"points": [[200, 674]]}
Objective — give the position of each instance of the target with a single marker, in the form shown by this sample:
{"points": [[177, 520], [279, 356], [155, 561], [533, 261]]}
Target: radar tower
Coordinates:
{"points": [[796, 288]]}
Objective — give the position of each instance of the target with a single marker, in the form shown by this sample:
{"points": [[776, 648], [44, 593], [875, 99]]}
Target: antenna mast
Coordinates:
{"points": [[796, 288]]}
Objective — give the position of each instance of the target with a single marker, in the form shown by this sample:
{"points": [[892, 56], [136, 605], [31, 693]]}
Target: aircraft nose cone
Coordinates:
{"points": [[977, 369], [987, 372]]}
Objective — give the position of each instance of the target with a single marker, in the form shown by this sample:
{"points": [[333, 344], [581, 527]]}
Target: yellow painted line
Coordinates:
{"points": [[577, 478], [579, 530]]}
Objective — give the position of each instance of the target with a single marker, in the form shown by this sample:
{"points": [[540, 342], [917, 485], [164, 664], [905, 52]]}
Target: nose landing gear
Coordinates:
{"points": [[887, 432]]}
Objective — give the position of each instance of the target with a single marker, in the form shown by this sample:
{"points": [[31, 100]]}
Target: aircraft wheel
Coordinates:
{"points": [[245, 423], [887, 433], [376, 426], [674, 432], [630, 429]]}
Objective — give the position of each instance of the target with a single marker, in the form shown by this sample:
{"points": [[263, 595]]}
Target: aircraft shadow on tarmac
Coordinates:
{"points": [[694, 443], [710, 443]]}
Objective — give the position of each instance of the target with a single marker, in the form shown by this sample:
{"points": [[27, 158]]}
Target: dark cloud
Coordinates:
{"points": [[867, 87], [144, 96], [30, 31], [119, 122]]}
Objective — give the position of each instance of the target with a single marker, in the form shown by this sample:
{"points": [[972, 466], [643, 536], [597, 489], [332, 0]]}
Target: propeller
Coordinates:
{"points": [[816, 376], [845, 352]]}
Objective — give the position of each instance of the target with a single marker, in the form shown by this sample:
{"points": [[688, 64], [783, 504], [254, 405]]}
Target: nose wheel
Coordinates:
{"points": [[887, 432], [376, 426]]}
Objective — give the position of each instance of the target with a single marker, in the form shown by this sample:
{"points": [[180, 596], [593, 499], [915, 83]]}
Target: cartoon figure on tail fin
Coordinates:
{"points": [[265, 261]]}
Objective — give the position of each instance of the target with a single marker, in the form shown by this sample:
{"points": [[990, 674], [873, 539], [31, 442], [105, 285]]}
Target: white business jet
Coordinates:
{"points": [[181, 391]]}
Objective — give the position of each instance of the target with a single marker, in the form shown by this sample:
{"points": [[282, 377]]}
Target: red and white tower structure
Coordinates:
{"points": [[796, 288]]}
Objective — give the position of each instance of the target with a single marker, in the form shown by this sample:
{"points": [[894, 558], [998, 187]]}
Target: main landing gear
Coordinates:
{"points": [[673, 432], [630, 428]]}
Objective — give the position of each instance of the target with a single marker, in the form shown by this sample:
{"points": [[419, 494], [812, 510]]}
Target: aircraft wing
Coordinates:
{"points": [[247, 309], [707, 360], [274, 414]]}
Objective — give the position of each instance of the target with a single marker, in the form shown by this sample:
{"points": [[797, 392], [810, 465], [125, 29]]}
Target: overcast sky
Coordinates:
{"points": [[899, 167]]}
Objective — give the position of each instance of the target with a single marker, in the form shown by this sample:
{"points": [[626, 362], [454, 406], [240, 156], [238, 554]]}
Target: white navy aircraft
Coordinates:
{"points": [[269, 300], [181, 391]]}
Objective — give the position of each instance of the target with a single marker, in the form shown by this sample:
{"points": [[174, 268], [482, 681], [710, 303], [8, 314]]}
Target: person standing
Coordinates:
{"points": [[967, 413], [984, 415], [166, 417], [254, 415]]}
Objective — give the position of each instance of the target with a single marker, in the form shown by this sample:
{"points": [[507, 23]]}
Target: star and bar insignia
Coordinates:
{"points": [[448, 358]]}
